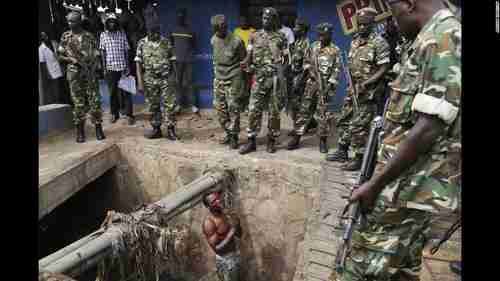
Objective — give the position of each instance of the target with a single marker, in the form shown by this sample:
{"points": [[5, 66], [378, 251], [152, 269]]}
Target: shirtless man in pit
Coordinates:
{"points": [[220, 234]]}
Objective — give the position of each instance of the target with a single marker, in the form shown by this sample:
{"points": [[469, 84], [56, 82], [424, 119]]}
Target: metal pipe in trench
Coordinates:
{"points": [[76, 261]]}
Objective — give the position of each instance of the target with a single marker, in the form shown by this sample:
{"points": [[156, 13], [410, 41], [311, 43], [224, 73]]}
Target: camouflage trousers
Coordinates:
{"points": [[313, 98], [389, 247], [261, 95], [157, 89], [228, 103], [295, 98], [228, 266], [86, 97], [343, 122], [356, 130]]}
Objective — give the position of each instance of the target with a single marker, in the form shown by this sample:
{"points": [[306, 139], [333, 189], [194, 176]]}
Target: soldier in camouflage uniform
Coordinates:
{"points": [[78, 49], [267, 52], [154, 58], [369, 60], [418, 172], [297, 78], [228, 51], [322, 62]]}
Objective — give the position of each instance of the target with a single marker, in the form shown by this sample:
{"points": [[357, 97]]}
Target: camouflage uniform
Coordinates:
{"points": [[81, 77], [390, 247], [365, 57], [297, 53], [328, 64], [267, 56], [228, 81], [155, 57]]}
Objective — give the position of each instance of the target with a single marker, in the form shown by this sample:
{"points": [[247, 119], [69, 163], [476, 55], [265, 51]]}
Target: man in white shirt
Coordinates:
{"points": [[285, 21], [50, 71]]}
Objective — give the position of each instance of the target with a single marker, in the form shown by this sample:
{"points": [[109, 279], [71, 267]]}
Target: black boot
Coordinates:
{"points": [[234, 141], [226, 139], [294, 143], [323, 147], [154, 134], [250, 146], [312, 125], [99, 134], [354, 164], [80, 133], [271, 142], [340, 155], [171, 133], [115, 118], [456, 267]]}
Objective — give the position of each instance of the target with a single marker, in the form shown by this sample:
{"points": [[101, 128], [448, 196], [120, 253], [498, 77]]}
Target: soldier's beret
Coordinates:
{"points": [[367, 13], [74, 14], [324, 27], [302, 22], [270, 11]]}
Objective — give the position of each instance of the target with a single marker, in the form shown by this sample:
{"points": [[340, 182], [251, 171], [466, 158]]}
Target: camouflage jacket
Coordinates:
{"points": [[328, 60], [429, 82], [268, 51], [297, 53], [155, 56], [365, 58], [227, 55], [82, 47]]}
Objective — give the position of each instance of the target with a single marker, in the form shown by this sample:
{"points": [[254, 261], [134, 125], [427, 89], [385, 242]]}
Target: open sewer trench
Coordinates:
{"points": [[272, 199]]}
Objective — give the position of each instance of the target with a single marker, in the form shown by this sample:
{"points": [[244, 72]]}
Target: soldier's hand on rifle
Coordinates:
{"points": [[361, 87], [366, 195]]}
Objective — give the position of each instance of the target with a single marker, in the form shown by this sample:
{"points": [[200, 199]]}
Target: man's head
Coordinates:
{"points": [[244, 22], [111, 22], [366, 20], [412, 15], [44, 37], [219, 25], [181, 16], [270, 18], [213, 202], [301, 27], [324, 33], [74, 20], [285, 20]]}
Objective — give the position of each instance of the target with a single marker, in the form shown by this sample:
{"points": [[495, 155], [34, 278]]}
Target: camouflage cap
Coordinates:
{"points": [[270, 11], [324, 27], [74, 14], [301, 22], [367, 14], [217, 20]]}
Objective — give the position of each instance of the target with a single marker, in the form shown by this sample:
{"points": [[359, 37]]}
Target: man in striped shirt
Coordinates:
{"points": [[114, 48]]}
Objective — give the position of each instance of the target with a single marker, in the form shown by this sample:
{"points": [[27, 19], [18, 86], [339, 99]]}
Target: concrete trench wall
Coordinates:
{"points": [[272, 198]]}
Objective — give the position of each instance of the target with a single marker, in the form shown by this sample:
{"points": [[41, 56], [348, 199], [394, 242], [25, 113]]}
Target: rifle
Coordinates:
{"points": [[354, 209], [348, 75], [320, 79]]}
